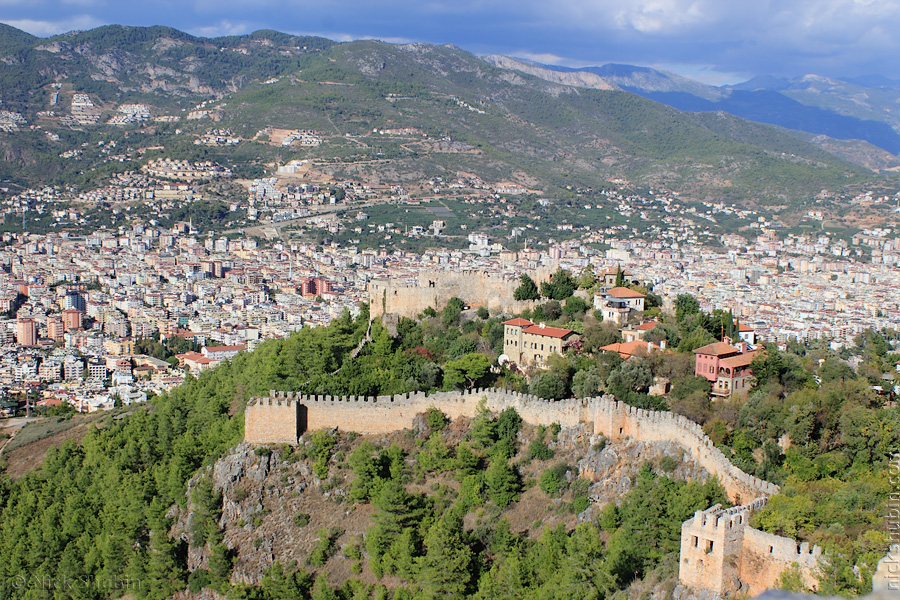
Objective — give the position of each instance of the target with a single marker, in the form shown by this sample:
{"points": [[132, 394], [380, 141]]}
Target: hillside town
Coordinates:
{"points": [[78, 308]]}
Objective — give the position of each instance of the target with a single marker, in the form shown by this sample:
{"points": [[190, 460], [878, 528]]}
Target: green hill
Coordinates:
{"points": [[164, 498], [544, 135]]}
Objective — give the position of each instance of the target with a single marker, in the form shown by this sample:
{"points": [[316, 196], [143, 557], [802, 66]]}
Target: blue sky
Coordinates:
{"points": [[717, 41]]}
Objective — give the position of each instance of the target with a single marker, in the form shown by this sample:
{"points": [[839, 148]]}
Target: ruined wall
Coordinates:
{"points": [[710, 547], [722, 553], [435, 288], [385, 414], [765, 556]]}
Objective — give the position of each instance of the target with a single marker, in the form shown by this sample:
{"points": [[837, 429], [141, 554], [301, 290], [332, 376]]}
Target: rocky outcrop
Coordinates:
{"points": [[582, 79], [614, 467], [261, 493]]}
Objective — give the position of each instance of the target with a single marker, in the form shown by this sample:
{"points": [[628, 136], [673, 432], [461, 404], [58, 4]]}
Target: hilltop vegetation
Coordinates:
{"points": [[102, 509]]}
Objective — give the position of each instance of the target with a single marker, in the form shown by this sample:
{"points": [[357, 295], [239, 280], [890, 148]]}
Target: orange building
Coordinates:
{"points": [[55, 329], [26, 332], [71, 319]]}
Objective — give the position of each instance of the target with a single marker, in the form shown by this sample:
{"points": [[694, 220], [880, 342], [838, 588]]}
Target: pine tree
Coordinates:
{"points": [[445, 570], [502, 481], [220, 560], [484, 429], [620, 277], [527, 289], [395, 511], [321, 590]]}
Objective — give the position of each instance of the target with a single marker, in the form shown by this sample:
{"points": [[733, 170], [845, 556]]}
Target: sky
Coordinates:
{"points": [[715, 41]]}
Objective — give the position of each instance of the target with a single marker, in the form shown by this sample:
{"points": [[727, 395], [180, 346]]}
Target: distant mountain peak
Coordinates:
{"points": [[572, 77]]}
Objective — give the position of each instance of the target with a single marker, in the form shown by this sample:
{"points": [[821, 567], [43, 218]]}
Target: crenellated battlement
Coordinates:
{"points": [[718, 548], [268, 419]]}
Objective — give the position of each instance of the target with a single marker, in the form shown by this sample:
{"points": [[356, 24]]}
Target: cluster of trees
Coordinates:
{"points": [[166, 349], [97, 511], [812, 423], [560, 286]]}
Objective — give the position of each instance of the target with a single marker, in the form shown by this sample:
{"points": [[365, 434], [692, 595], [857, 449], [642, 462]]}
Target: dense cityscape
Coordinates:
{"points": [[79, 305]]}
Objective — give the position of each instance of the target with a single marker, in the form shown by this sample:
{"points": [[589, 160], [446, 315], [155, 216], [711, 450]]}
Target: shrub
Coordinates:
{"points": [[301, 519], [539, 450], [553, 480], [580, 504], [321, 446], [436, 419], [325, 547], [668, 464]]}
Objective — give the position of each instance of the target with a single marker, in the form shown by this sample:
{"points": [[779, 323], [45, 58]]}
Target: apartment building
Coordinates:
{"points": [[528, 344]]}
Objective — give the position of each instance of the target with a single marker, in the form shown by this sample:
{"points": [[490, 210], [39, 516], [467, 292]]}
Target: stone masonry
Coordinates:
{"points": [[434, 288], [283, 417], [722, 553], [719, 550]]}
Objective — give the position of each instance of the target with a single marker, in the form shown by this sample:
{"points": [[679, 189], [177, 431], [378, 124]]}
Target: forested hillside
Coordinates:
{"points": [[106, 509]]}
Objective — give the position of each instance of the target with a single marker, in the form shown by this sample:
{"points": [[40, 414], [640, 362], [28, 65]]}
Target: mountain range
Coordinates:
{"points": [[504, 120], [863, 108]]}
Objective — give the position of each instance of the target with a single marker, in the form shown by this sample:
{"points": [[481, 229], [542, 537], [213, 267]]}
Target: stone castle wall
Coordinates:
{"points": [[283, 417], [764, 557], [435, 288], [720, 549], [272, 420]]}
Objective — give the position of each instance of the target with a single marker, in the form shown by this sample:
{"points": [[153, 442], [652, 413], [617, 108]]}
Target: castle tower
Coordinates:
{"points": [[278, 419], [711, 548]]}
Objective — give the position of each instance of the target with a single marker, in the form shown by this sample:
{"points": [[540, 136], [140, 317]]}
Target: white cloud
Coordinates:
{"points": [[220, 29], [546, 58], [662, 16], [47, 28], [352, 37]]}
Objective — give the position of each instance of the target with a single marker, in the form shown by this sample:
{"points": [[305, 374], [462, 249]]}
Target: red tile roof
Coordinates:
{"points": [[717, 349], [741, 360], [555, 332], [629, 349], [518, 322], [225, 348], [624, 292]]}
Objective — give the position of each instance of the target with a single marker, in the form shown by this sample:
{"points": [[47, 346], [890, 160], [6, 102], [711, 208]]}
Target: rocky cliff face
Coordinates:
{"points": [[582, 79], [615, 467], [262, 492]]}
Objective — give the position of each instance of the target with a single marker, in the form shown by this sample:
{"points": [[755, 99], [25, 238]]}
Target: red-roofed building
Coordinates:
{"points": [[636, 332], [221, 352], [747, 333], [635, 348], [527, 344], [195, 362], [618, 303], [727, 367]]}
